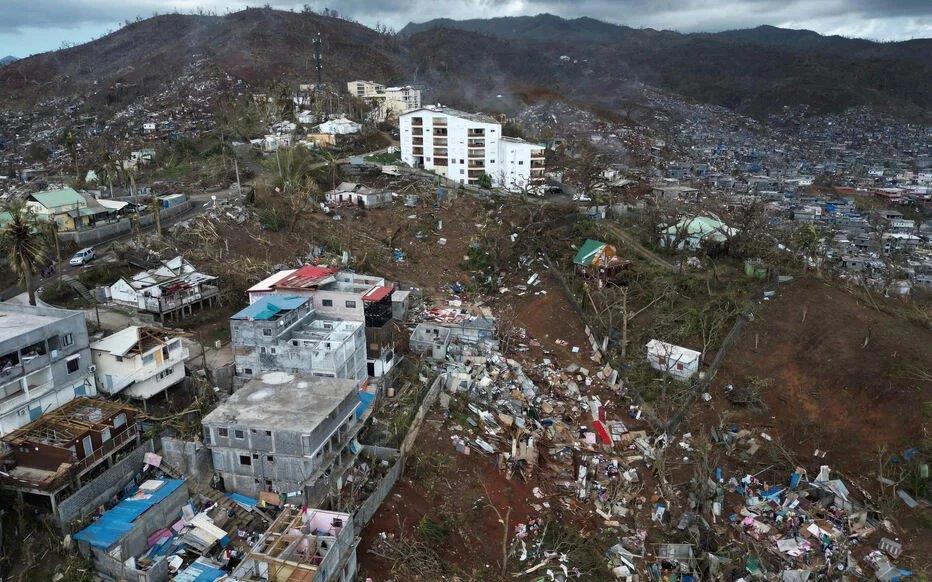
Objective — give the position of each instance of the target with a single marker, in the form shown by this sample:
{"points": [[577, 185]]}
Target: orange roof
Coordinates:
{"points": [[306, 277]]}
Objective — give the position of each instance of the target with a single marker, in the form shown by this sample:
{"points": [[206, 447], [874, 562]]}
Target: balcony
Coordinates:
{"points": [[476, 154], [535, 164], [439, 121], [418, 141], [480, 164], [476, 133], [417, 150], [144, 373], [417, 131], [440, 131], [440, 141], [440, 161], [172, 302], [538, 154], [476, 173], [476, 143], [417, 122]]}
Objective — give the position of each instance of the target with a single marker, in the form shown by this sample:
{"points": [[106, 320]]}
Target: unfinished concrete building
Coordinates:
{"points": [[466, 335], [348, 296], [283, 333], [304, 545], [50, 459], [288, 434]]}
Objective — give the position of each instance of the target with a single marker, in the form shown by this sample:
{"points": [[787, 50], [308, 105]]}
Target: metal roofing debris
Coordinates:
{"points": [[118, 521]]}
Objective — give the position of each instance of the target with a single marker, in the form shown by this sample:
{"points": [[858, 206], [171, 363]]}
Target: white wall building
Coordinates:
{"points": [[464, 146], [138, 362], [339, 126], [365, 89], [391, 101], [681, 363]]}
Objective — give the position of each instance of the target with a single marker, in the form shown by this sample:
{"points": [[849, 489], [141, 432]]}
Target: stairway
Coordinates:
{"points": [[79, 287]]}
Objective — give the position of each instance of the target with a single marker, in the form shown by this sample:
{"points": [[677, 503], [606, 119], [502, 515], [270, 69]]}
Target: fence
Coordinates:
{"points": [[99, 234], [371, 505]]}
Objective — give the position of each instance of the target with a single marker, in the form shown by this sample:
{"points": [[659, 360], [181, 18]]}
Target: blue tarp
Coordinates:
{"points": [[365, 401], [268, 307], [249, 502], [199, 572], [118, 521]]}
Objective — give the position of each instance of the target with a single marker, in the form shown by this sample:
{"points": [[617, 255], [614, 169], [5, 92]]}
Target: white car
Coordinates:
{"points": [[82, 257]]}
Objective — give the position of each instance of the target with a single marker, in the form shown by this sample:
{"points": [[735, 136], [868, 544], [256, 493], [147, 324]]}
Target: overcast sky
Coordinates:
{"points": [[31, 26]]}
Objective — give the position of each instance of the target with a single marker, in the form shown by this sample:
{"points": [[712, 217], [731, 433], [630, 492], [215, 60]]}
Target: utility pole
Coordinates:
{"points": [[318, 62]]}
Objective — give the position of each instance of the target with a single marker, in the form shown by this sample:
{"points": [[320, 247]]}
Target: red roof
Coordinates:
{"points": [[306, 276], [378, 293]]}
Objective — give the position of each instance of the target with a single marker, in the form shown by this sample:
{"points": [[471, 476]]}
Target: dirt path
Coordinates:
{"points": [[636, 246]]}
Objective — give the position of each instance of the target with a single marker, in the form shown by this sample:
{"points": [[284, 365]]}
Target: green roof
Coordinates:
{"points": [[58, 198], [588, 252]]}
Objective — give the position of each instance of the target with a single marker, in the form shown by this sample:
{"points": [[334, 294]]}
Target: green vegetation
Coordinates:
{"points": [[384, 158]]}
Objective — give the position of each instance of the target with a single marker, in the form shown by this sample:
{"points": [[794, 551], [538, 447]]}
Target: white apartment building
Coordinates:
{"points": [[464, 146], [138, 362], [392, 101]]}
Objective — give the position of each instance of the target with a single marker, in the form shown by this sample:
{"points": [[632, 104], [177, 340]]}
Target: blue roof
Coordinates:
{"points": [[118, 521], [365, 401], [199, 572], [243, 499], [270, 306]]}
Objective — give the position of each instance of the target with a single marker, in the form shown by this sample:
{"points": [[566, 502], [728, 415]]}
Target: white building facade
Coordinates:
{"points": [[464, 146], [681, 363], [138, 362]]}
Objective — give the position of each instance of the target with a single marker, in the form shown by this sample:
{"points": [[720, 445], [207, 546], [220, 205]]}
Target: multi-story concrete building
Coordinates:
{"points": [[44, 362], [139, 362], [391, 101], [348, 296], [463, 146], [285, 433], [283, 333]]}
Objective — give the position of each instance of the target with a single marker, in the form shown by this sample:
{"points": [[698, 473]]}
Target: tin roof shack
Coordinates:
{"points": [[454, 332], [681, 363], [284, 333], [285, 433], [170, 290], [44, 362], [304, 545], [51, 458], [121, 535], [359, 195]]}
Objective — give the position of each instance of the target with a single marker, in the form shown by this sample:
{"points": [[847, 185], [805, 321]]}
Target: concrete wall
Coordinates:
{"points": [[190, 457], [85, 500], [105, 564], [92, 236]]}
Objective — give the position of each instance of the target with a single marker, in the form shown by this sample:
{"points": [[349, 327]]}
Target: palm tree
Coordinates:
{"points": [[24, 246], [49, 231]]}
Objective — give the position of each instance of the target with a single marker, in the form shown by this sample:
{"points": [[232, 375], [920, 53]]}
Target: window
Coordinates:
{"points": [[255, 456], [67, 340], [679, 366], [73, 364], [148, 360], [327, 302], [174, 346], [119, 358], [351, 305], [245, 460], [268, 433], [267, 331], [272, 350], [119, 420], [491, 161], [462, 171], [224, 432], [105, 435], [270, 459], [239, 434], [247, 371], [520, 162]]}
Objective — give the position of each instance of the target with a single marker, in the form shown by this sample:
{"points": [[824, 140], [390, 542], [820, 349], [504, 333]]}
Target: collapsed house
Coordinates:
{"points": [[55, 460], [173, 290], [681, 363], [139, 362], [288, 434], [453, 332], [306, 545], [281, 332]]}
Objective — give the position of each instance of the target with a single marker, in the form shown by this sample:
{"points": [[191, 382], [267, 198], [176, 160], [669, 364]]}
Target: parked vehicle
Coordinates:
{"points": [[82, 257]]}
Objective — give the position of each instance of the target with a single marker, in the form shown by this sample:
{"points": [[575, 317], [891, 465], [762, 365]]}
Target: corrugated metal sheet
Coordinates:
{"points": [[118, 521]]}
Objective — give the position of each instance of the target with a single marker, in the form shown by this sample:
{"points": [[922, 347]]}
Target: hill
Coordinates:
{"points": [[756, 71], [7, 60], [471, 63]]}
